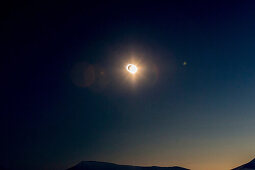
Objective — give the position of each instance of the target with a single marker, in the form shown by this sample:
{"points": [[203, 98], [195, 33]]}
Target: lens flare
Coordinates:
{"points": [[131, 68]]}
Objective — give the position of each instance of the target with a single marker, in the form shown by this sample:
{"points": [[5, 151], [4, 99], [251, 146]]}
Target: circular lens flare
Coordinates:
{"points": [[131, 68]]}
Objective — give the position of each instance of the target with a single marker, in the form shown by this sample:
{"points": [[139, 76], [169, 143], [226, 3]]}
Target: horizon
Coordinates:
{"points": [[151, 165]]}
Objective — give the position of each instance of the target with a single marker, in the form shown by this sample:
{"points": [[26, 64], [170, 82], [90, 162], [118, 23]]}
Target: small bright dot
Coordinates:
{"points": [[184, 63], [131, 68]]}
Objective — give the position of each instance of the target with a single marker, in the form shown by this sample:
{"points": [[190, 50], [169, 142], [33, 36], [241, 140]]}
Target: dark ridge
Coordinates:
{"points": [[95, 165], [250, 165]]}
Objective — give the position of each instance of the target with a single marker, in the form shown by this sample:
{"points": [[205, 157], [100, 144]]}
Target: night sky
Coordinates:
{"points": [[68, 98]]}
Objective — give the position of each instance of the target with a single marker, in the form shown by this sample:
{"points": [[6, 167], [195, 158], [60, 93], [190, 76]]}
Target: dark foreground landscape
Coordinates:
{"points": [[94, 165], [248, 166]]}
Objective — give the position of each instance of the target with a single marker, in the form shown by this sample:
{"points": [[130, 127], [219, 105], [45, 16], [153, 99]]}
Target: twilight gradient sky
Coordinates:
{"points": [[199, 116]]}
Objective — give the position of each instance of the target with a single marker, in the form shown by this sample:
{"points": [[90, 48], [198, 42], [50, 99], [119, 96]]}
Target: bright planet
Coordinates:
{"points": [[131, 68]]}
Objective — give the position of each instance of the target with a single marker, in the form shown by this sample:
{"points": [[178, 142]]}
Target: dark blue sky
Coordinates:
{"points": [[198, 116]]}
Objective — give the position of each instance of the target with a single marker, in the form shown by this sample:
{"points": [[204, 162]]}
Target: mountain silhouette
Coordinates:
{"points": [[94, 165], [248, 166]]}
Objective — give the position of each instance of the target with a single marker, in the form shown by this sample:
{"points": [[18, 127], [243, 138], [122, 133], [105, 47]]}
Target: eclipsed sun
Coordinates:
{"points": [[131, 68]]}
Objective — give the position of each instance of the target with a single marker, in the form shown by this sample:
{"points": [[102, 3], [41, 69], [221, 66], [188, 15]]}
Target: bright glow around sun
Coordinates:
{"points": [[131, 68]]}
